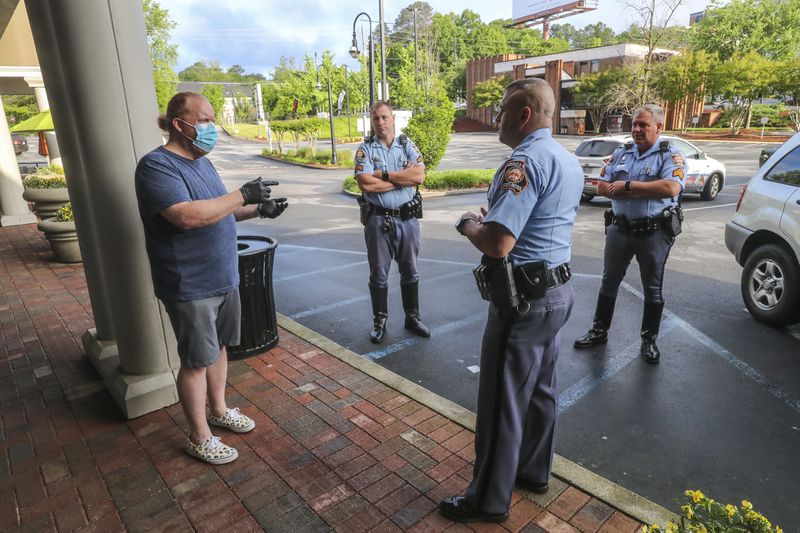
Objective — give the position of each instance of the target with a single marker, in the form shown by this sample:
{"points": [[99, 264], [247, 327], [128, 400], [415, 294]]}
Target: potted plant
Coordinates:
{"points": [[60, 233], [47, 190]]}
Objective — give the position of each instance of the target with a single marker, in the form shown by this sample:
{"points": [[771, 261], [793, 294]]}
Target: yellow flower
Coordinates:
{"points": [[730, 510], [697, 496], [688, 510], [701, 529], [672, 527], [746, 504], [778, 530]]}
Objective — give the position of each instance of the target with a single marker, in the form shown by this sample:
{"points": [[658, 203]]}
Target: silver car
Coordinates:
{"points": [[704, 175], [764, 237]]}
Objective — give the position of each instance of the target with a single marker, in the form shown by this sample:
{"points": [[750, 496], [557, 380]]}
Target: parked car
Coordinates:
{"points": [[20, 143], [764, 237], [765, 154], [704, 175]]}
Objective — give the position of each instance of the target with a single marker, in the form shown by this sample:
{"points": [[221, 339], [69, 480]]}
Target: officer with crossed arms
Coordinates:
{"points": [[644, 180]]}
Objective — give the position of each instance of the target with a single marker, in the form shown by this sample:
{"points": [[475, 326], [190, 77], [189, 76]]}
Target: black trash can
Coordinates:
{"points": [[259, 322]]}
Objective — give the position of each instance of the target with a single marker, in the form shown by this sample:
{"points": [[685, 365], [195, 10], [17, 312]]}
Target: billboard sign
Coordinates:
{"points": [[525, 10]]}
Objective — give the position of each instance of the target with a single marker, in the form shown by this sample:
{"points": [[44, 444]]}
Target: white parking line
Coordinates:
{"points": [[709, 207]]}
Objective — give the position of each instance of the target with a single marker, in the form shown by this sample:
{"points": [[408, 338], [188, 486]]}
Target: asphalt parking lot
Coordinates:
{"points": [[720, 413]]}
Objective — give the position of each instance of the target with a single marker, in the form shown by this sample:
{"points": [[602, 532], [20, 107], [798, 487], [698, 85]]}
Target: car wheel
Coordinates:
{"points": [[771, 286], [586, 197], [712, 188]]}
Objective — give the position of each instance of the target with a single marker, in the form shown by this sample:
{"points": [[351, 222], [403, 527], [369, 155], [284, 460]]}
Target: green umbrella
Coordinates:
{"points": [[41, 122]]}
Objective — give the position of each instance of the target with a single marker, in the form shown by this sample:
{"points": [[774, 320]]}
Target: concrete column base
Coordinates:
{"points": [[136, 395], [17, 220]]}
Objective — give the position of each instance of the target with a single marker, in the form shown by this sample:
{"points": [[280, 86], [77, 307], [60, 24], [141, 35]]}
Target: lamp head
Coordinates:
{"points": [[354, 52], [319, 85]]}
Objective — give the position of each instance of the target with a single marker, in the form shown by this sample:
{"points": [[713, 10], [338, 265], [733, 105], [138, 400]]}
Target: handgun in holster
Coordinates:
{"points": [[364, 209], [608, 218], [495, 280]]}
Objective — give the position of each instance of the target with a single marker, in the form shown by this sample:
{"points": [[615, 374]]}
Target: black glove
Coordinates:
{"points": [[272, 208], [256, 191]]}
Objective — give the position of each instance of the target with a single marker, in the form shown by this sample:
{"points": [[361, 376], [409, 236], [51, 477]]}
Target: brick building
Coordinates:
{"points": [[562, 70]]}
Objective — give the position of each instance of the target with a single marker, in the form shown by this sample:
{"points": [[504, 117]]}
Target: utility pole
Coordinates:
{"points": [[416, 67], [384, 85]]}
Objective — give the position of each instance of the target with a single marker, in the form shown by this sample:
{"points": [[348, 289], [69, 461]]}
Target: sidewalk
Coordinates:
{"points": [[335, 447]]}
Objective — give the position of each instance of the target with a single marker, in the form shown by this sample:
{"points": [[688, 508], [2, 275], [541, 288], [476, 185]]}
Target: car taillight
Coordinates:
{"points": [[741, 196]]}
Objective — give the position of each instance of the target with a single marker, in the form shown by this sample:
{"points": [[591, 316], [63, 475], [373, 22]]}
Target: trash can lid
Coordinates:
{"points": [[252, 244]]}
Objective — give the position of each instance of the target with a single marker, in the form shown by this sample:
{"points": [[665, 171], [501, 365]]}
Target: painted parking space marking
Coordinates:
{"points": [[321, 271], [411, 341]]}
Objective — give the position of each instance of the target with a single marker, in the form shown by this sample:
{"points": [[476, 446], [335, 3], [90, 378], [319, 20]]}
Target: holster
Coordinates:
{"points": [[412, 208], [496, 283], [364, 209], [531, 279], [673, 220]]}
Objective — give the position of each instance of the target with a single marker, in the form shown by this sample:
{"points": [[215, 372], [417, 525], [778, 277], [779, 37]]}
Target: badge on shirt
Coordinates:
{"points": [[678, 160], [514, 177], [360, 155]]}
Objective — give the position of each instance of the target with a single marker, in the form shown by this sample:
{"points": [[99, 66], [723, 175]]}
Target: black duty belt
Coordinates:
{"points": [[553, 276], [382, 211]]}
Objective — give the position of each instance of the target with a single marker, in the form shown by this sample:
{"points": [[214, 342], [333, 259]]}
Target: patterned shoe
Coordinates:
{"points": [[212, 451], [233, 420]]}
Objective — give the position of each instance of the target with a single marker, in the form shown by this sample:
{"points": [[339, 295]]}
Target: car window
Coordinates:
{"points": [[787, 170], [597, 148], [688, 151]]}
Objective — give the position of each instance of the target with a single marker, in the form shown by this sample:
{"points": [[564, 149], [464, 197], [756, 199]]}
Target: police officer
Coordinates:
{"points": [[644, 181], [533, 200], [388, 170]]}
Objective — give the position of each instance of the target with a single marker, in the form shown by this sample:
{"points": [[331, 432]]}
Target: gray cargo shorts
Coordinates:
{"points": [[203, 326]]}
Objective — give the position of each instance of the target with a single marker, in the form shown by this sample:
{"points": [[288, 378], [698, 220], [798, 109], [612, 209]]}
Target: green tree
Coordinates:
{"points": [[489, 93], [213, 92], [19, 108], [242, 108], [683, 75], [770, 28], [431, 125], [591, 35], [213, 71], [740, 81], [597, 93], [163, 55], [787, 84]]}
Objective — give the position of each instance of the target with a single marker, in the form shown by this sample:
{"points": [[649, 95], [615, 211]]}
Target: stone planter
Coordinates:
{"points": [[63, 240], [46, 201]]}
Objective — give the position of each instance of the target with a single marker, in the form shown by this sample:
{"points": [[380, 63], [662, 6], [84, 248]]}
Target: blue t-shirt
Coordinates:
{"points": [[535, 196], [186, 264], [654, 164], [374, 155]]}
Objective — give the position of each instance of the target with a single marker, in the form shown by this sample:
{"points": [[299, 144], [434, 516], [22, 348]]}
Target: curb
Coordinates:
{"points": [[572, 473], [429, 194], [304, 165]]}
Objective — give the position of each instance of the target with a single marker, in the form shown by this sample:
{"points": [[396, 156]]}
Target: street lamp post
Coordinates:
{"points": [[330, 109], [355, 52], [347, 101]]}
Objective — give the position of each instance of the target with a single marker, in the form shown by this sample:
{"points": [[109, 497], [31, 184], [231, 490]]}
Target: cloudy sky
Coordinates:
{"points": [[256, 33]]}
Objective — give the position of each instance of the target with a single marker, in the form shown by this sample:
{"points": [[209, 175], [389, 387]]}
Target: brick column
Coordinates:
{"points": [[552, 75]]}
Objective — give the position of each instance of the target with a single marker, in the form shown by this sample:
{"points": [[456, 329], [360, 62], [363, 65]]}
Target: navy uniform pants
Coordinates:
{"points": [[517, 398], [400, 242], [651, 253]]}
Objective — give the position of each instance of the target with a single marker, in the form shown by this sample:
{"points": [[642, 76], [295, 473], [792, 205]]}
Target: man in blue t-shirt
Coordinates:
{"points": [[189, 225]]}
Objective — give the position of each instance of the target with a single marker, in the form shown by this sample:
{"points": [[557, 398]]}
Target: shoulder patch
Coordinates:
{"points": [[515, 177], [678, 160], [359, 168], [419, 159], [360, 154]]}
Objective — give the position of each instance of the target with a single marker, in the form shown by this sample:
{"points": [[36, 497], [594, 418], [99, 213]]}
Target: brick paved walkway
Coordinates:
{"points": [[333, 448]]}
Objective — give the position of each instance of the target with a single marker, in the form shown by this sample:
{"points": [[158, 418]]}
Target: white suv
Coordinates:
{"points": [[704, 175], [764, 236]]}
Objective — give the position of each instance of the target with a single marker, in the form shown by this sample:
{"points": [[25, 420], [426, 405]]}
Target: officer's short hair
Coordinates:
{"points": [[654, 110], [380, 103], [538, 94]]}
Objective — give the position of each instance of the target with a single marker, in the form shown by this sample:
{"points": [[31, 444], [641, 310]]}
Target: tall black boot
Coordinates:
{"points": [[380, 313], [603, 314], [410, 292], [651, 320]]}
